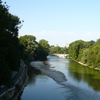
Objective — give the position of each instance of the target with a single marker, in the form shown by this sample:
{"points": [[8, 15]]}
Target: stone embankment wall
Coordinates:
{"points": [[19, 81]]}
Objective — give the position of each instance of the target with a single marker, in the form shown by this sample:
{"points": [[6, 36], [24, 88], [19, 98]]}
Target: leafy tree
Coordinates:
{"points": [[32, 50], [55, 50], [64, 50], [94, 56], [89, 43], [8, 22], [9, 46], [28, 47], [45, 46], [86, 52], [58, 50], [74, 48]]}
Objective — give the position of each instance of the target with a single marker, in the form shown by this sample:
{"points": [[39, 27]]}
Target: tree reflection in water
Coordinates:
{"points": [[32, 72], [83, 73]]}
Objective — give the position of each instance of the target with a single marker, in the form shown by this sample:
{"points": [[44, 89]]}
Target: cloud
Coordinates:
{"points": [[54, 37], [61, 38], [89, 33]]}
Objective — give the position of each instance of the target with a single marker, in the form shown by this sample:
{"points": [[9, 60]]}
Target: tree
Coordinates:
{"points": [[44, 44], [28, 47], [32, 50], [64, 50], [8, 22], [58, 50], [9, 46], [74, 48], [98, 41], [86, 52], [94, 56]]}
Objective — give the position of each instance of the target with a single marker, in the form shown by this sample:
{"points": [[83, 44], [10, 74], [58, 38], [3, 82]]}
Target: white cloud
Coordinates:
{"points": [[89, 33], [61, 38]]}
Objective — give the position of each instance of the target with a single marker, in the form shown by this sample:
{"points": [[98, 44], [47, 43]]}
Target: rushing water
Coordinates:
{"points": [[82, 82]]}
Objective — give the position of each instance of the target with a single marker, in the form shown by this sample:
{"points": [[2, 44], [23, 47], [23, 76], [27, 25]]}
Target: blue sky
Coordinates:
{"points": [[58, 21]]}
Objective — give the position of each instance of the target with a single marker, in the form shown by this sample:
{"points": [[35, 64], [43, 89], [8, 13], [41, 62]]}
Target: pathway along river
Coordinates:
{"points": [[82, 82]]}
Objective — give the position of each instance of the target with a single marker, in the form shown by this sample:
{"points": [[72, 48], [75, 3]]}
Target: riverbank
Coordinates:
{"points": [[98, 69]]}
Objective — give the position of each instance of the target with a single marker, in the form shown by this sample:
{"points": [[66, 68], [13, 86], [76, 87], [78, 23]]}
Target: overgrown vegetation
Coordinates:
{"points": [[32, 50], [12, 48], [9, 46], [86, 52]]}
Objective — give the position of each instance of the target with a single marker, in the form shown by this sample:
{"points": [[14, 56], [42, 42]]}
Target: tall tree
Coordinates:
{"points": [[9, 46], [45, 45]]}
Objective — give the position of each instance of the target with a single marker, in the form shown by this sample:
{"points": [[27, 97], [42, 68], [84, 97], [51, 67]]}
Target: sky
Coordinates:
{"points": [[60, 22]]}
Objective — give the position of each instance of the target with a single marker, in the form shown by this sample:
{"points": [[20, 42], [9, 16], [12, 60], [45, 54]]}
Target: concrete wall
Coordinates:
{"points": [[17, 84]]}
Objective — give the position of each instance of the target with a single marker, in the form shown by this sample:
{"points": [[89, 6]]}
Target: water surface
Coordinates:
{"points": [[82, 83]]}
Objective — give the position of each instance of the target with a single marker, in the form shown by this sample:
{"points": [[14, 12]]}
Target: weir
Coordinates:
{"points": [[60, 55]]}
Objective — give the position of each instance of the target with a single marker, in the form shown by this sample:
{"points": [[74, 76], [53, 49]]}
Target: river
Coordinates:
{"points": [[82, 82]]}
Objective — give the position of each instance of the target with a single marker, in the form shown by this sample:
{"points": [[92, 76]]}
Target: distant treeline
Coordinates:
{"points": [[86, 52], [58, 50]]}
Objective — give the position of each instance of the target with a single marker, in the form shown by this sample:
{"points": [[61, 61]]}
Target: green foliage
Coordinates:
{"points": [[28, 47], [8, 22], [86, 52], [44, 47], [44, 44], [58, 50], [9, 46], [94, 56], [31, 49], [64, 50], [74, 48], [84, 57], [98, 41], [13, 49]]}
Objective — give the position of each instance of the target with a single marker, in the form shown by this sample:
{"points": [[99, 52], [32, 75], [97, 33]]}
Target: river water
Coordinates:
{"points": [[82, 82]]}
